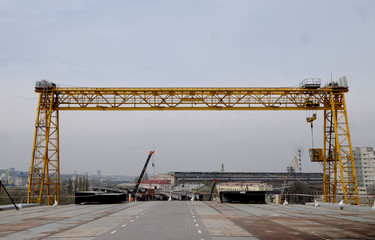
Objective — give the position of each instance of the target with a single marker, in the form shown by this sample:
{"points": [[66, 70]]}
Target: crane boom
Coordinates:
{"points": [[141, 175], [212, 189], [284, 186]]}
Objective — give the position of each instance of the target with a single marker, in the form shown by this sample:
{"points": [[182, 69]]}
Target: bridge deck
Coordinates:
{"points": [[185, 220]]}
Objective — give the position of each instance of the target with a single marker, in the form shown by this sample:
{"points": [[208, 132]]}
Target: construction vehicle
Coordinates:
{"points": [[212, 189], [133, 194]]}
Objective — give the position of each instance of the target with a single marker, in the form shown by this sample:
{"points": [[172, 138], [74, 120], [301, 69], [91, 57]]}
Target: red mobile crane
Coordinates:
{"points": [[140, 177], [212, 189]]}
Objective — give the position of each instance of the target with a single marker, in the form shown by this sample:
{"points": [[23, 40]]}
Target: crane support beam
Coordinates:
{"points": [[339, 172], [339, 167], [45, 164], [143, 99]]}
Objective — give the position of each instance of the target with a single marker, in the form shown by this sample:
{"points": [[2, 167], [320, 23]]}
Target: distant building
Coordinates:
{"points": [[166, 177], [192, 188], [14, 178], [243, 186], [243, 192], [20, 181], [4, 177], [164, 185], [276, 179], [364, 160]]}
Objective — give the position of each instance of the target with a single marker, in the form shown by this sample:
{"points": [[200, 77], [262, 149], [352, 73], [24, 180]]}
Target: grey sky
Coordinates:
{"points": [[181, 44]]}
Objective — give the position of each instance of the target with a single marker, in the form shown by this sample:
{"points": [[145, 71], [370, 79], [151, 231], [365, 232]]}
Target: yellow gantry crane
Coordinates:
{"points": [[336, 156]]}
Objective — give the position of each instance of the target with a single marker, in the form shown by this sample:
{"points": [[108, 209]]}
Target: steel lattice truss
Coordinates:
{"points": [[339, 172], [189, 99]]}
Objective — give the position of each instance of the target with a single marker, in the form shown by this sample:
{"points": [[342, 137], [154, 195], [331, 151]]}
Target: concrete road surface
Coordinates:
{"points": [[163, 220], [185, 220]]}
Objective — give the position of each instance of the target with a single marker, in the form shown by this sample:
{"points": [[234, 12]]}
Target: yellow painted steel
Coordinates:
{"points": [[338, 156], [316, 155], [330, 161], [114, 99], [45, 170]]}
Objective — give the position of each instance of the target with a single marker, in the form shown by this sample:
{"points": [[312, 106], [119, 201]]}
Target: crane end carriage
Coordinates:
{"points": [[44, 85]]}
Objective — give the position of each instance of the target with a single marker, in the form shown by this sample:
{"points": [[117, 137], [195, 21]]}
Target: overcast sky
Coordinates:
{"points": [[212, 43]]}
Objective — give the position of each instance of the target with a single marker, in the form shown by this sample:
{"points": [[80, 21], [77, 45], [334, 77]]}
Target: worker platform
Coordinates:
{"points": [[161, 220]]}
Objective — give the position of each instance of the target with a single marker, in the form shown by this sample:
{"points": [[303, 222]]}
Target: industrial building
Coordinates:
{"points": [[164, 185], [243, 192], [192, 188], [243, 186], [276, 179]]}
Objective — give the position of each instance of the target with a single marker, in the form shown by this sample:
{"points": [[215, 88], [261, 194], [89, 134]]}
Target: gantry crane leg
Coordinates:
{"points": [[330, 160], [45, 166], [338, 154]]}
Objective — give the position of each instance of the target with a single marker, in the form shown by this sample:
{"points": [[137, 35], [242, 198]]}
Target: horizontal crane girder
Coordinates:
{"points": [[192, 99]]}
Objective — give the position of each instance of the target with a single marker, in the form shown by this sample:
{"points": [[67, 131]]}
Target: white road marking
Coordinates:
{"points": [[123, 225], [199, 231], [131, 220], [137, 217], [195, 220], [196, 225], [113, 232]]}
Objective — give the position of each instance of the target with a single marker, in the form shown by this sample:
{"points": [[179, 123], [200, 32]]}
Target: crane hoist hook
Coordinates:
{"points": [[311, 120]]}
